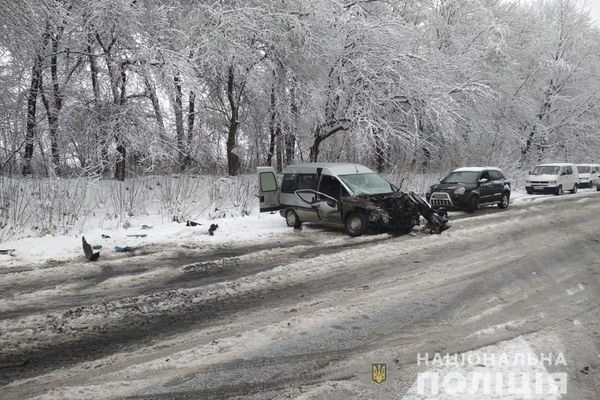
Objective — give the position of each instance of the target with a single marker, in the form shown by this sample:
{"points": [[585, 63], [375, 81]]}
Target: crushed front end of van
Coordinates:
{"points": [[397, 212]]}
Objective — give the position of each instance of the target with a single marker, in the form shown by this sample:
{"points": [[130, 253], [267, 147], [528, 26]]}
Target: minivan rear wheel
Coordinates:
{"points": [[292, 220], [574, 189], [356, 224]]}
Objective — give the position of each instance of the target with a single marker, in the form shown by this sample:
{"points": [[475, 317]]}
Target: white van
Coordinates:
{"points": [[343, 195], [553, 178], [588, 175]]}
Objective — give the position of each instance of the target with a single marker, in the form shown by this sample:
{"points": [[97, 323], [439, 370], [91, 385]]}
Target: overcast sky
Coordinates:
{"points": [[595, 6]]}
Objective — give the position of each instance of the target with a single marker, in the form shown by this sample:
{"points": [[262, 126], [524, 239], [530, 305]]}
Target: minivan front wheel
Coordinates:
{"points": [[292, 220], [558, 190], [574, 189], [356, 224]]}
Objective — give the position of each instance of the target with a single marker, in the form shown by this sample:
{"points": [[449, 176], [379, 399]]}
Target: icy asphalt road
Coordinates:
{"points": [[304, 314]]}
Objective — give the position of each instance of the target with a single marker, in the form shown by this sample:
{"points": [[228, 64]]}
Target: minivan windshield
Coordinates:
{"points": [[461, 177], [546, 170], [584, 169], [369, 183]]}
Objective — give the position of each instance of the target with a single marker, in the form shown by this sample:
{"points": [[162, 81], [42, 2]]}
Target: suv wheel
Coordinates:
{"points": [[505, 201], [559, 190], [574, 189], [292, 220], [473, 204], [356, 224]]}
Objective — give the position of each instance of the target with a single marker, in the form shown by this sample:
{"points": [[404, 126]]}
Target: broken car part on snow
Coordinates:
{"points": [[89, 252], [349, 196]]}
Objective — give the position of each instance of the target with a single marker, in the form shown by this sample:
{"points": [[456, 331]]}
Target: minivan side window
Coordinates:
{"points": [[308, 181], [293, 182], [332, 187], [569, 170], [289, 185]]}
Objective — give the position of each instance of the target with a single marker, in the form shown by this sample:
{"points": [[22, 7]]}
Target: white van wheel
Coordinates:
{"points": [[574, 189], [559, 190], [292, 220]]}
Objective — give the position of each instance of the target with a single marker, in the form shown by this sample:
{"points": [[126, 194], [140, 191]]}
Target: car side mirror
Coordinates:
{"points": [[483, 180], [563, 173]]}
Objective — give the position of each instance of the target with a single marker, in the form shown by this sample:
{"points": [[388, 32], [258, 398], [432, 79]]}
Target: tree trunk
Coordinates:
{"points": [[34, 86], [190, 128], [314, 149], [93, 72], [53, 106], [290, 135], [151, 91], [178, 110], [233, 160], [272, 129], [379, 152], [121, 163], [290, 148], [119, 99], [279, 148]]}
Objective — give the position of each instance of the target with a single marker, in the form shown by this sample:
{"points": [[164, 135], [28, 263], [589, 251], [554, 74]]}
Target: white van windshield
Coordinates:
{"points": [[370, 183], [546, 170], [584, 169]]}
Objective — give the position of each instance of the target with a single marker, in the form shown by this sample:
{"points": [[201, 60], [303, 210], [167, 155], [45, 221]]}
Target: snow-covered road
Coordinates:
{"points": [[303, 314]]}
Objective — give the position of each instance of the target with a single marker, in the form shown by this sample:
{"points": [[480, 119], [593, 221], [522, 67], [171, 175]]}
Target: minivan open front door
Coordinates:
{"points": [[268, 189]]}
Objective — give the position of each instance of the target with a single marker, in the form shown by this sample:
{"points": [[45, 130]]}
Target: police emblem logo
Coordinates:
{"points": [[378, 372]]}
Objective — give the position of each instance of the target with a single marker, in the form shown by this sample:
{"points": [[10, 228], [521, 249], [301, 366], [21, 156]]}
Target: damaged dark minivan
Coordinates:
{"points": [[343, 195]]}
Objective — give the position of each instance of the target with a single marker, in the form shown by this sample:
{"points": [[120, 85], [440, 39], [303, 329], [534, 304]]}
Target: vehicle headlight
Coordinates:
{"points": [[460, 190], [553, 182], [528, 182], [429, 190]]}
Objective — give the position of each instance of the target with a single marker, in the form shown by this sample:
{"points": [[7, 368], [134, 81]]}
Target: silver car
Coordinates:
{"points": [[349, 196]]}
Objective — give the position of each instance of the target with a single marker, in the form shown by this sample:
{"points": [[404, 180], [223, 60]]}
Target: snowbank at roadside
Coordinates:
{"points": [[36, 250]]}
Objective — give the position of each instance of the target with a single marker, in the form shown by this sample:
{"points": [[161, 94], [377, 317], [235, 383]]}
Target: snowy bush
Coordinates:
{"points": [[42, 205]]}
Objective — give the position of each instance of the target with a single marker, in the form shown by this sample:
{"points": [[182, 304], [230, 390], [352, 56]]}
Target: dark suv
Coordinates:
{"points": [[468, 188]]}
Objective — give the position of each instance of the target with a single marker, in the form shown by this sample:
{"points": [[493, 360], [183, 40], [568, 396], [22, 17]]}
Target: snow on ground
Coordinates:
{"points": [[36, 250], [252, 228]]}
